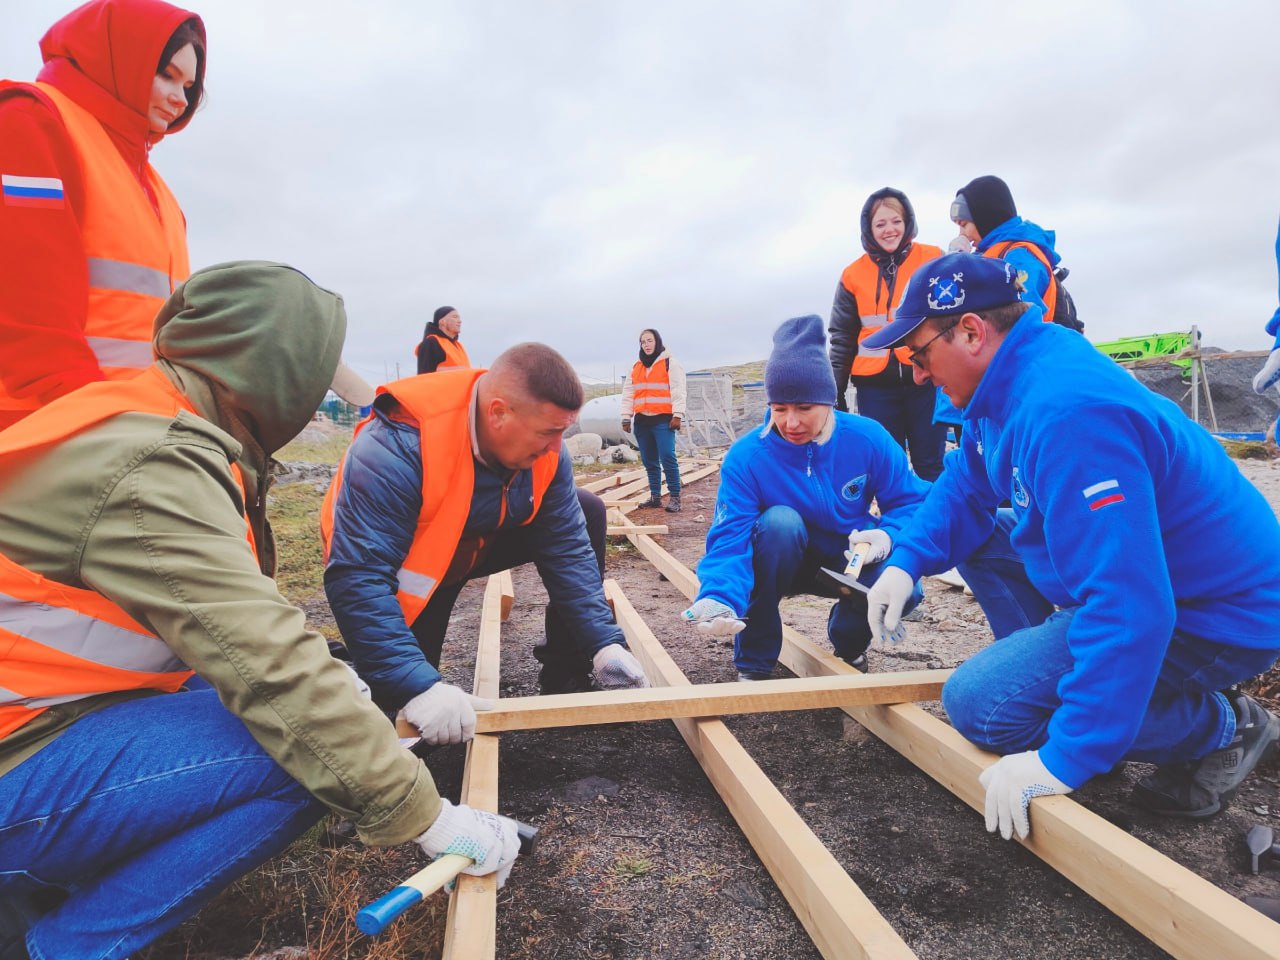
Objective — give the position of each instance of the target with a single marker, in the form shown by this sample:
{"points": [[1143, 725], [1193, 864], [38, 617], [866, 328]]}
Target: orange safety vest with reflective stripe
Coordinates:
{"points": [[997, 252], [862, 279], [60, 643], [136, 257], [652, 385], [455, 354], [441, 403]]}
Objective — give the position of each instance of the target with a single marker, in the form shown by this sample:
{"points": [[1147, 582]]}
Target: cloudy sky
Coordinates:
{"points": [[574, 172]]}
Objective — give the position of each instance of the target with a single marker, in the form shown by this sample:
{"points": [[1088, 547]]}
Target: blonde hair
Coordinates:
{"points": [[893, 203]]}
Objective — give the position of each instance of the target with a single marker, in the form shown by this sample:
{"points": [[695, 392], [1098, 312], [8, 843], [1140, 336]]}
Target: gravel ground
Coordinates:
{"points": [[639, 858]]}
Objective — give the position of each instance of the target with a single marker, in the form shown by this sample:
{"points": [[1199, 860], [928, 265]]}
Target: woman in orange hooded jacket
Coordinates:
{"points": [[92, 241]]}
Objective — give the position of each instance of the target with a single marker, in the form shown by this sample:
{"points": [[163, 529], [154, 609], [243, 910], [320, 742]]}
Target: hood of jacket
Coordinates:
{"points": [[104, 56], [874, 250], [1015, 228], [254, 346]]}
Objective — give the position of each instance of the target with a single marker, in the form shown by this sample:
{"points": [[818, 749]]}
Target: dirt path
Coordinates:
{"points": [[639, 858]]}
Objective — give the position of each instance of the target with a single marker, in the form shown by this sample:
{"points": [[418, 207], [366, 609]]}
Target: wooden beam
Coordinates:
{"points": [[470, 931], [1181, 912], [709, 700], [613, 480], [640, 488], [618, 530], [837, 915], [507, 591]]}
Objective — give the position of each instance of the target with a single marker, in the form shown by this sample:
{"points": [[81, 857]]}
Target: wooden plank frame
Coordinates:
{"points": [[837, 915], [709, 700], [1172, 906], [615, 480], [639, 490], [470, 931]]}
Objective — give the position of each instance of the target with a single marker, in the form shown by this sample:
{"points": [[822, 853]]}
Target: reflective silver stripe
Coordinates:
{"points": [[88, 638], [415, 584], [114, 352], [10, 698], [129, 277], [869, 326]]}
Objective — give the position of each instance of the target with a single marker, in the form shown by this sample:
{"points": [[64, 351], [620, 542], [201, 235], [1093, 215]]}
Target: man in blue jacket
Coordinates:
{"points": [[403, 541], [793, 496], [1133, 610]]}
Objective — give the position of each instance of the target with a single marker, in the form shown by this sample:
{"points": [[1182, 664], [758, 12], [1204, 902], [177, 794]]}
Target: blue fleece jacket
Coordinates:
{"points": [[1125, 509], [831, 485], [373, 524]]}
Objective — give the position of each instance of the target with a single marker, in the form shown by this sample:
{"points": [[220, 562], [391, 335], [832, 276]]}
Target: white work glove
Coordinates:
{"points": [[488, 839], [1012, 782], [616, 668], [713, 618], [886, 601], [445, 714], [960, 244], [362, 688], [1269, 375], [879, 540], [626, 424]]}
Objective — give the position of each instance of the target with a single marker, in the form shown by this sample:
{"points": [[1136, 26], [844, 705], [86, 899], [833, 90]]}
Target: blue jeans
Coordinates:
{"points": [[786, 561], [906, 411], [135, 817], [658, 454], [1003, 697]]}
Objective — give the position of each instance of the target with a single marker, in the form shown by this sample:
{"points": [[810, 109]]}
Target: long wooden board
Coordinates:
{"points": [[614, 480], [640, 488], [1175, 908], [470, 931], [709, 700], [837, 915]]}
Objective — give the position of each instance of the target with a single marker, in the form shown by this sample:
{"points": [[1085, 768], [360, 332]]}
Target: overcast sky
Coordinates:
{"points": [[575, 172]]}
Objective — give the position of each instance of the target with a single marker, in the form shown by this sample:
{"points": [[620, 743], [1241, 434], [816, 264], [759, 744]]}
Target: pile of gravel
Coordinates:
{"points": [[1237, 407]]}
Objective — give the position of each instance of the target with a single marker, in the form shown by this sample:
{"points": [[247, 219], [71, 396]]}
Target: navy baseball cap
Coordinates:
{"points": [[953, 285]]}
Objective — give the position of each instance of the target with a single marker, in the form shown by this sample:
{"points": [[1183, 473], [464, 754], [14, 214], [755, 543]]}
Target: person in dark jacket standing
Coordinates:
{"points": [[456, 475], [865, 296], [440, 348]]}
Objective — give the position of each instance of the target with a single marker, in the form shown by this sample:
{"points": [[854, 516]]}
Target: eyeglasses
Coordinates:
{"points": [[916, 357]]}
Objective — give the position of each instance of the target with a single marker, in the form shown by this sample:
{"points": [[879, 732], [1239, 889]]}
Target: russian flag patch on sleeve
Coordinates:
{"points": [[1103, 494], [32, 192]]}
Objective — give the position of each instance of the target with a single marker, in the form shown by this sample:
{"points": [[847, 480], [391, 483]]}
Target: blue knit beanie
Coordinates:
{"points": [[798, 370]]}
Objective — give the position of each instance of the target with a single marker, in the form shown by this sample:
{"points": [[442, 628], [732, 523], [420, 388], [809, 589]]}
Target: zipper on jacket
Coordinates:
{"points": [[808, 467]]}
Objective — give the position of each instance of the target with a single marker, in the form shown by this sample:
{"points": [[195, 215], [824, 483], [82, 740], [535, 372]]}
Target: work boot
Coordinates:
{"points": [[1202, 788], [654, 501], [561, 681], [860, 663], [673, 503], [747, 676]]}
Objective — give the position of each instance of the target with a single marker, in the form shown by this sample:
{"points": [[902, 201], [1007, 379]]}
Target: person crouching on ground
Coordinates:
{"points": [[1123, 613], [790, 495], [453, 476]]}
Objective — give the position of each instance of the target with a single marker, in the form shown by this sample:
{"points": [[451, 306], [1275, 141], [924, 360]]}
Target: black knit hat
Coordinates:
{"points": [[989, 203], [798, 370], [441, 312]]}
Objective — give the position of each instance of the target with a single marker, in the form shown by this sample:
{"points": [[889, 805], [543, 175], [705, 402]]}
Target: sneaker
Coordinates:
{"points": [[748, 676], [861, 664], [653, 501], [673, 504], [564, 683], [1202, 788]]}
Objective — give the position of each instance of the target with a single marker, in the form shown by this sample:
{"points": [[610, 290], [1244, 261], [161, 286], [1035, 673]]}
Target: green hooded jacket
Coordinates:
{"points": [[145, 510]]}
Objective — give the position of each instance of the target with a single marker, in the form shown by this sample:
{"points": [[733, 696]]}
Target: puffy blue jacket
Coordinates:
{"points": [[1124, 508], [831, 485], [373, 524]]}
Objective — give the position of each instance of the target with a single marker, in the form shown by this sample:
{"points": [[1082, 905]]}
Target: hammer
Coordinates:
{"points": [[848, 581], [378, 915]]}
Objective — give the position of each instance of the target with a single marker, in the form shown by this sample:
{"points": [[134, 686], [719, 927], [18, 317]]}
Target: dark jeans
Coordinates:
{"points": [[658, 454], [906, 411], [558, 653], [785, 563]]}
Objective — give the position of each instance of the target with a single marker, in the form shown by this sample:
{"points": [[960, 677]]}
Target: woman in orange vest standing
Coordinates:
{"points": [[92, 242], [653, 399], [868, 290], [440, 348]]}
